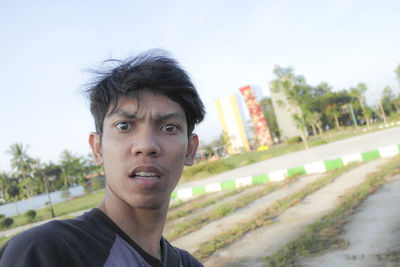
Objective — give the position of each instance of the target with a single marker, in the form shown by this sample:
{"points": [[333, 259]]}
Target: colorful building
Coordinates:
{"points": [[232, 124]]}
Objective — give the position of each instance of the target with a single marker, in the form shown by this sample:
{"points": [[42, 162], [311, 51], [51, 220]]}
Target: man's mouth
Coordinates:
{"points": [[144, 175]]}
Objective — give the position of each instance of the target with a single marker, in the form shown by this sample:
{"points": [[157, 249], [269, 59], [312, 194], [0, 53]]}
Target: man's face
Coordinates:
{"points": [[144, 148]]}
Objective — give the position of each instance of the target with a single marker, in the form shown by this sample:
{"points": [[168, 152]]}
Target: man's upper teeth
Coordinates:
{"points": [[148, 174]]}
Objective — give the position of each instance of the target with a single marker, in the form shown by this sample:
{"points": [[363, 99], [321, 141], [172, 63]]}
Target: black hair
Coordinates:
{"points": [[152, 70]]}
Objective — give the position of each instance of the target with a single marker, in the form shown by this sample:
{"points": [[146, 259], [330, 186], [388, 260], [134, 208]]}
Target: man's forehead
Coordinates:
{"points": [[132, 106]]}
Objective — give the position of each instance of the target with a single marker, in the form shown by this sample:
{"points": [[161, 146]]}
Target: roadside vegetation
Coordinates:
{"points": [[322, 235]]}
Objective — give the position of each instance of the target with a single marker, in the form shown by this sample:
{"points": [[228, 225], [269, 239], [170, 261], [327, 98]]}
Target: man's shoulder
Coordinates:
{"points": [[187, 259], [44, 232], [48, 236], [83, 239], [34, 245]]}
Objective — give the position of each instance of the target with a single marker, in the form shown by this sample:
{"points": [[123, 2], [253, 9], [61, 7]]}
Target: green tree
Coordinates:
{"points": [[54, 173], [21, 162], [388, 101], [33, 184], [359, 93], [4, 184], [335, 101], [72, 167], [315, 120], [296, 92], [75, 169], [29, 188], [13, 191]]}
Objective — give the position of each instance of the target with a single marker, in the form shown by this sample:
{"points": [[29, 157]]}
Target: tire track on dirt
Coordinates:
{"points": [[191, 241]]}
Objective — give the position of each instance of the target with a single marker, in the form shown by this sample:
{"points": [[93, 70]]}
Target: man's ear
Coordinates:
{"points": [[95, 144], [192, 149]]}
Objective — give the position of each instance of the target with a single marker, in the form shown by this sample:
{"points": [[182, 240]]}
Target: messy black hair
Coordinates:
{"points": [[153, 70]]}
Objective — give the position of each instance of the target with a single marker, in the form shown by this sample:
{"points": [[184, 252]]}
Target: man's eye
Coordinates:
{"points": [[170, 128], [123, 126]]}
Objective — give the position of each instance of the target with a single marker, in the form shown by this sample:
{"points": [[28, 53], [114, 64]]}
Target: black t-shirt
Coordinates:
{"points": [[91, 239]]}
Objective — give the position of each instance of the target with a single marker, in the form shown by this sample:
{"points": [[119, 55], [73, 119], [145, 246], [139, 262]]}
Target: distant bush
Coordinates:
{"points": [[30, 215], [6, 222], [293, 140], [2, 215]]}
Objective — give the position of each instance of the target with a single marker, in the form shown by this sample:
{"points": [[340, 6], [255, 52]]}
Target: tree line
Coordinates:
{"points": [[317, 108], [30, 176]]}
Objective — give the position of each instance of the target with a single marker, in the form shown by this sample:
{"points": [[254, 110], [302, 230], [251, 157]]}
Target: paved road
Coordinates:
{"points": [[358, 144]]}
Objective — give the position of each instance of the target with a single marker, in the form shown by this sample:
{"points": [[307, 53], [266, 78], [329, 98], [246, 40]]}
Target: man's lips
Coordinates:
{"points": [[145, 175], [145, 172]]}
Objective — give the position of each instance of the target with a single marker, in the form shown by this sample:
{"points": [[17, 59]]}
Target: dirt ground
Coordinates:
{"points": [[256, 245], [373, 233], [191, 241]]}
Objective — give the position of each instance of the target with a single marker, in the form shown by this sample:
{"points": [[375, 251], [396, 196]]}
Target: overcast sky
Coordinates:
{"points": [[46, 46]]}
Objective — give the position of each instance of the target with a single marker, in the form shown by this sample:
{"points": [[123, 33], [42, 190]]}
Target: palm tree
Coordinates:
{"points": [[4, 183], [21, 162]]}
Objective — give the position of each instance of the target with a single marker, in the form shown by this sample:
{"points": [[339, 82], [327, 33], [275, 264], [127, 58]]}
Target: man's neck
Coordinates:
{"points": [[143, 226]]}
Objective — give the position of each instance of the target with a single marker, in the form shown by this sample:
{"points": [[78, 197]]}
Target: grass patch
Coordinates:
{"points": [[266, 217], [321, 235], [76, 204]]}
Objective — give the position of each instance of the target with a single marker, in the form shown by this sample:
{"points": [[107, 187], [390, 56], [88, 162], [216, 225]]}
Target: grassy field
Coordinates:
{"points": [[62, 209]]}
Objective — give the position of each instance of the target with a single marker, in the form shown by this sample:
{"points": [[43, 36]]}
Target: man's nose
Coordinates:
{"points": [[146, 143]]}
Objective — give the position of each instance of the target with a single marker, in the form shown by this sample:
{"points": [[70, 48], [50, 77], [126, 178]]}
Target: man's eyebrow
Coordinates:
{"points": [[123, 113], [159, 117], [168, 116]]}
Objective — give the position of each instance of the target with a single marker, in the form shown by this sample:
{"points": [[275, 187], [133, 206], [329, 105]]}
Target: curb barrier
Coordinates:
{"points": [[279, 175]]}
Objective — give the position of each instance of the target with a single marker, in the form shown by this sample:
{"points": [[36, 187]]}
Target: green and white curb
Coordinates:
{"points": [[279, 175]]}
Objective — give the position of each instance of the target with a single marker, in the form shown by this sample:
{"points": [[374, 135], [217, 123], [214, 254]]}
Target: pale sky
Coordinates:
{"points": [[46, 46]]}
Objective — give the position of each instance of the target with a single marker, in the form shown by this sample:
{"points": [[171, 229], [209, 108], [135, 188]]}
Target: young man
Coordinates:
{"points": [[145, 110]]}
